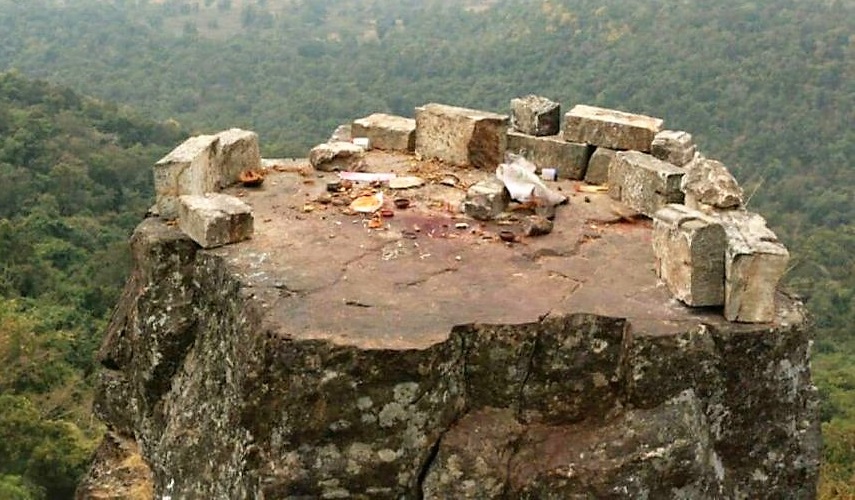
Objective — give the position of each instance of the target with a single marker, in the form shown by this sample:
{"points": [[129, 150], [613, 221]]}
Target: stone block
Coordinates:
{"points": [[673, 146], [643, 182], [598, 166], [337, 155], [610, 128], [689, 248], [388, 132], [708, 185], [215, 219], [190, 168], [535, 115], [754, 263], [237, 150], [342, 133], [461, 136], [570, 159], [486, 199]]}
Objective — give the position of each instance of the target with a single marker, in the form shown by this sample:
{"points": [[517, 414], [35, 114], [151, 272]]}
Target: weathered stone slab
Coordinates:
{"points": [[215, 219], [610, 128], [191, 168], [708, 185], [598, 166], [237, 150], [643, 182], [338, 155], [754, 262], [389, 132], [673, 146], [486, 199], [535, 115], [570, 159], [689, 248], [461, 136]]}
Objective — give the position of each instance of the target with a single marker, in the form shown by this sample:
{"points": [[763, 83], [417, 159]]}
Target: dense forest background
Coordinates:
{"points": [[766, 86]]}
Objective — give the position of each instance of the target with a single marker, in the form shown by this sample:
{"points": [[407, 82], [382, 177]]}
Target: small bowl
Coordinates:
{"points": [[402, 203]]}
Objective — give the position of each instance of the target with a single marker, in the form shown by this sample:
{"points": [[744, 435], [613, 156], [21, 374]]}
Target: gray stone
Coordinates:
{"points": [[486, 199], [461, 136], [673, 146], [570, 159], [389, 132], [342, 133], [708, 185], [610, 128], [237, 151], [333, 156], [215, 219], [755, 261], [598, 166], [535, 115], [191, 168], [689, 248], [643, 182], [537, 225]]}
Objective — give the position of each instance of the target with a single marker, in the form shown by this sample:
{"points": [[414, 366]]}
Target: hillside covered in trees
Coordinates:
{"points": [[76, 179], [767, 87]]}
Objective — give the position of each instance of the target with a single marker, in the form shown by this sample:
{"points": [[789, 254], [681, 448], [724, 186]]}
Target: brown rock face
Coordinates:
{"points": [[324, 358], [461, 136]]}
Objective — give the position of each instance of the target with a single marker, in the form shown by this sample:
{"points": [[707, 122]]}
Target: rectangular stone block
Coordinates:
{"points": [[389, 132], [673, 146], [610, 128], [486, 199], [461, 136], [643, 182], [598, 166], [191, 168], [215, 219], [570, 159], [535, 115], [754, 262], [689, 248], [237, 150]]}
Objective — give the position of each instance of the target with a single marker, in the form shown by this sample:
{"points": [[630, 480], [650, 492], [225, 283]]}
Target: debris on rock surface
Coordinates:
{"points": [[519, 177], [536, 225], [486, 199], [251, 178], [367, 176], [367, 204]]}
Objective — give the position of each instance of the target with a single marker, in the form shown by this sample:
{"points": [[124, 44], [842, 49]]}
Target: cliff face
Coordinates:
{"points": [[225, 404], [417, 353]]}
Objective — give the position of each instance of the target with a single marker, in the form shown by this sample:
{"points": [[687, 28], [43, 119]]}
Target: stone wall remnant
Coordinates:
{"points": [[709, 185], [388, 132], [535, 115], [673, 146], [755, 261], [689, 248], [598, 166], [237, 151], [461, 136], [643, 182], [610, 128], [570, 159], [190, 168], [215, 219]]}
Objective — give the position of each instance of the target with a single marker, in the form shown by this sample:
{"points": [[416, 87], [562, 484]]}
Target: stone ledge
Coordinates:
{"points": [[610, 128], [389, 132], [461, 136]]}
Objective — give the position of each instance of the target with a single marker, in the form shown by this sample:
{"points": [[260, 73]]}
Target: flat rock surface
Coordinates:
{"points": [[322, 272]]}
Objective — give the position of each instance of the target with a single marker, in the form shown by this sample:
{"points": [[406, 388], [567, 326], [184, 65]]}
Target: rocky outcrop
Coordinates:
{"points": [[430, 351], [225, 404]]}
